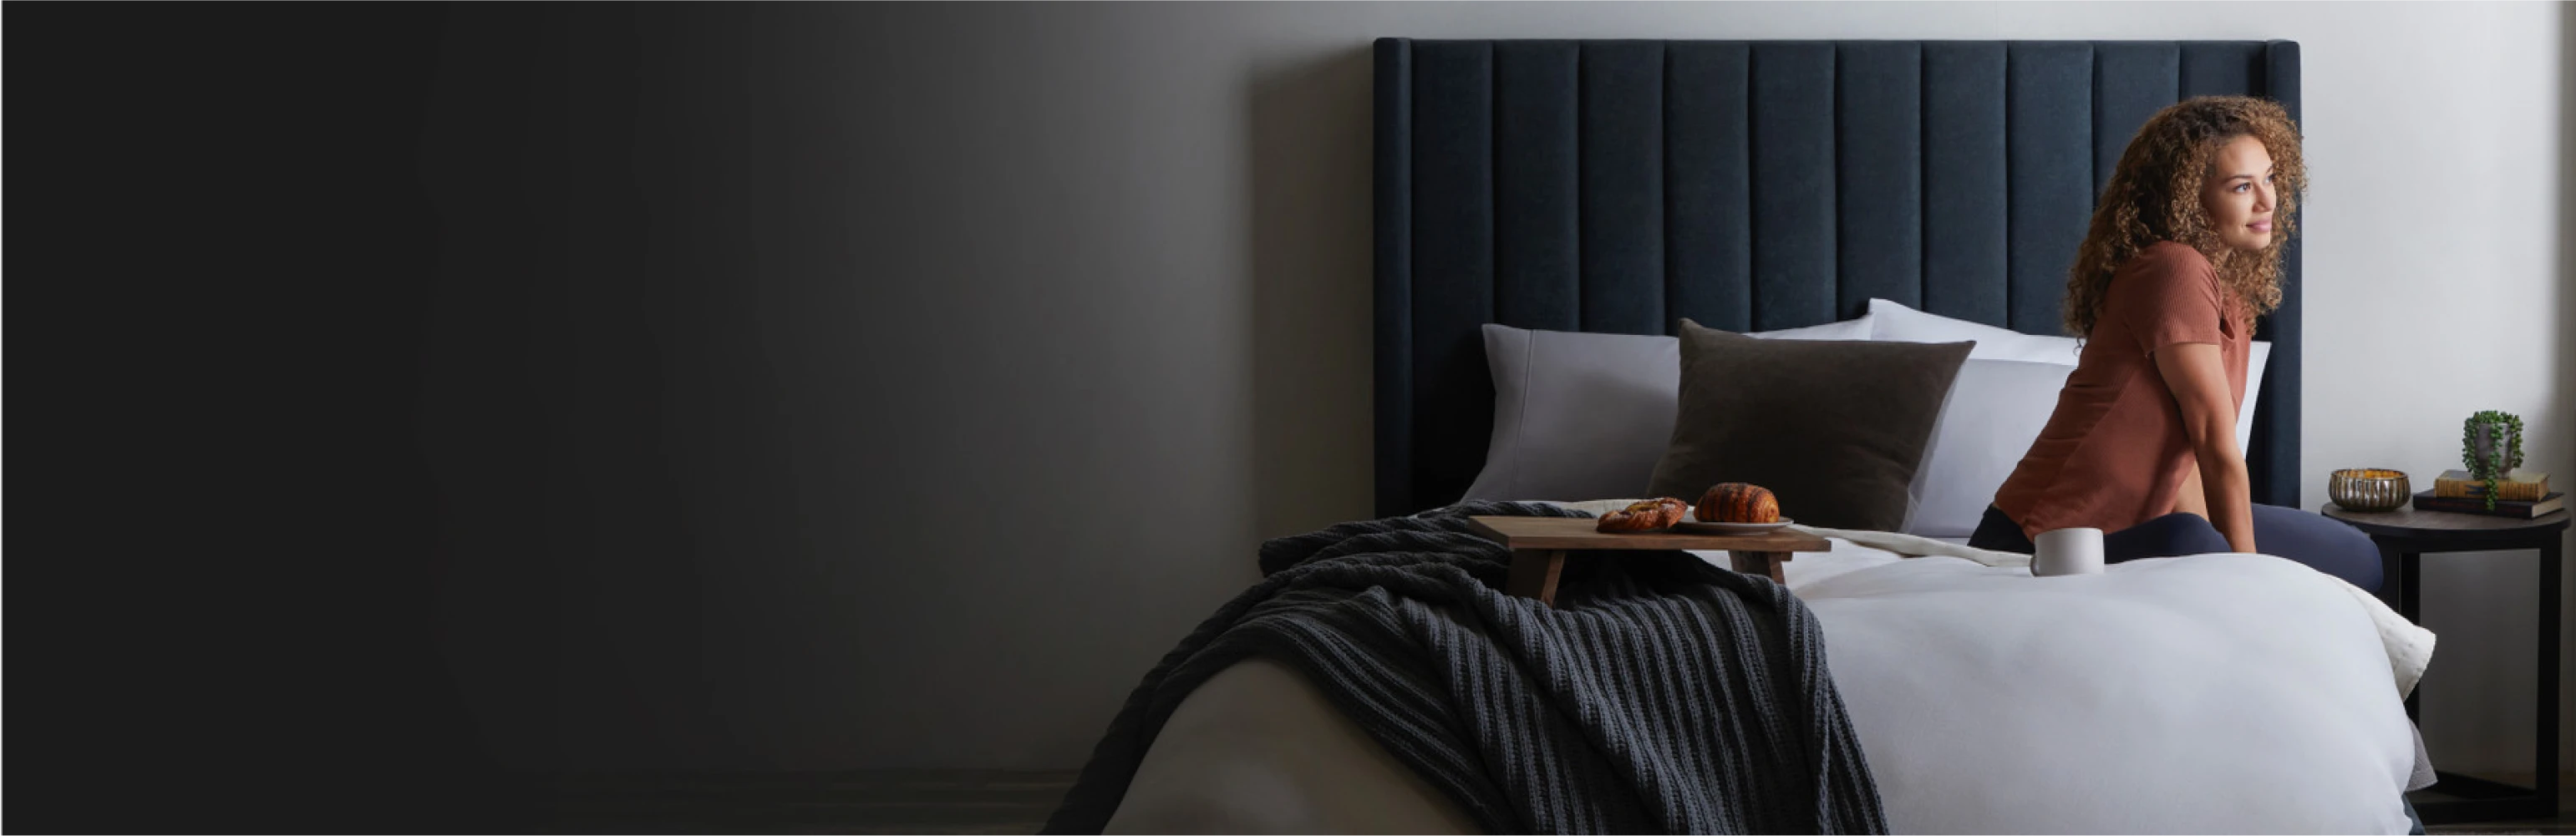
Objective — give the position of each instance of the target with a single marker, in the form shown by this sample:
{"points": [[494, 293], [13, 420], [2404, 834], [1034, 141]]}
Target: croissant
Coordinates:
{"points": [[1737, 502], [1645, 515]]}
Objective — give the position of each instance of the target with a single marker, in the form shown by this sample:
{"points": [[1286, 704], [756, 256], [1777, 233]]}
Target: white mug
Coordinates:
{"points": [[2067, 551]]}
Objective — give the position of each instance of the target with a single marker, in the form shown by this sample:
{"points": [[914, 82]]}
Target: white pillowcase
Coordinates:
{"points": [[2256, 355], [1583, 416], [1994, 411], [1860, 328], [1898, 323]]}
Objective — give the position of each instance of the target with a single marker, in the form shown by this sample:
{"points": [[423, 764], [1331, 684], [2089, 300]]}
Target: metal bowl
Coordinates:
{"points": [[2369, 489]]}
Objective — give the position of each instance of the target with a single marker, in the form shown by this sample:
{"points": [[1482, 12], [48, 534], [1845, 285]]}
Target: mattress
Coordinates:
{"points": [[2209, 693]]}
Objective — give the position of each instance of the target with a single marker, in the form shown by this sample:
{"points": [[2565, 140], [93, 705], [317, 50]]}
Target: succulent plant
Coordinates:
{"points": [[2490, 447]]}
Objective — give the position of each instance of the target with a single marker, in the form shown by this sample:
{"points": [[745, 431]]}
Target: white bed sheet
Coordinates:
{"points": [[2204, 694]]}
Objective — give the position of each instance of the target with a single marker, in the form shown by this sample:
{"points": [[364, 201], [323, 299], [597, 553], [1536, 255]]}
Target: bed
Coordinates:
{"points": [[1616, 187]]}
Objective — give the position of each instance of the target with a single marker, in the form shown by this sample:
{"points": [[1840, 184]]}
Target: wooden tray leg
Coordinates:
{"points": [[1766, 564], [1534, 574]]}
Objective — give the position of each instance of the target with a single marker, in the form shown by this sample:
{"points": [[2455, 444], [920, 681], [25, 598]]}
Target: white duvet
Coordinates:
{"points": [[2220, 693]]}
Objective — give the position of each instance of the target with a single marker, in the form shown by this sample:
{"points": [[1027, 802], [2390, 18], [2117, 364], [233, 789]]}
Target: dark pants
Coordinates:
{"points": [[2323, 544]]}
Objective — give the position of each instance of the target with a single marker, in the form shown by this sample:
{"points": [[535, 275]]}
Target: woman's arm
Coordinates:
{"points": [[2193, 499], [2198, 380]]}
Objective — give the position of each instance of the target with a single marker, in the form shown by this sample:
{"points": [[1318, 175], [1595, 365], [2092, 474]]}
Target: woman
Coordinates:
{"points": [[2184, 252]]}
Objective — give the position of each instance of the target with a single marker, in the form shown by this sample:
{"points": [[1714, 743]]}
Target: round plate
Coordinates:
{"points": [[1730, 527]]}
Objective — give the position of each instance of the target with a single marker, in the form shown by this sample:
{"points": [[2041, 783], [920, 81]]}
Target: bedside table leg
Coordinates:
{"points": [[2392, 571], [1534, 573], [2410, 599], [1766, 564], [2402, 573], [2545, 750]]}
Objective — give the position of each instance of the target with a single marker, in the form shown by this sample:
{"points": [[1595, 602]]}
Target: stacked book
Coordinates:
{"points": [[2522, 494]]}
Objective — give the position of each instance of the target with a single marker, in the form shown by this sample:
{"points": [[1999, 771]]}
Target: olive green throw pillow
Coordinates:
{"points": [[1834, 428]]}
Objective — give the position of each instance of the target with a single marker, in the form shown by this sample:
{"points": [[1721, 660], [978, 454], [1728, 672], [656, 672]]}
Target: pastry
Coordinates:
{"points": [[1737, 502], [1645, 515]]}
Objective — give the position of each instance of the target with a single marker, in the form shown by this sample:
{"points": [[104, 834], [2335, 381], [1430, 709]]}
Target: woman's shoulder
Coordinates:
{"points": [[2169, 257], [2165, 267]]}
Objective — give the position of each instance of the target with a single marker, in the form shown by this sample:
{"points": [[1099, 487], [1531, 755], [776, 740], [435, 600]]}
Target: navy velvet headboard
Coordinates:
{"points": [[1618, 186]]}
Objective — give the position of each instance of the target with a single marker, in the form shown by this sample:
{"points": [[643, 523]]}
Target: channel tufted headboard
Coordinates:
{"points": [[1618, 186]]}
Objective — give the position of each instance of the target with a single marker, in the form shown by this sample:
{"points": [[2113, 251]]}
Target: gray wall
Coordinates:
{"points": [[824, 383], [890, 386], [220, 581]]}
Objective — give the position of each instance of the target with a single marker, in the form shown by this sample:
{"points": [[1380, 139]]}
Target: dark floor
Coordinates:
{"points": [[876, 801], [2565, 823], [953, 801]]}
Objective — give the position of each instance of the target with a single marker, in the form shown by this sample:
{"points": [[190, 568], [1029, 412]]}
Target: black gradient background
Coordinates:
{"points": [[420, 402], [222, 594]]}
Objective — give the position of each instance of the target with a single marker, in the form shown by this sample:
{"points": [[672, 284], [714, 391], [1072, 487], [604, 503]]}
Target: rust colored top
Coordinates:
{"points": [[2114, 454]]}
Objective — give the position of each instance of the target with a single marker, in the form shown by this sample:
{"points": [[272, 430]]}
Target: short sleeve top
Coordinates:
{"points": [[2114, 454]]}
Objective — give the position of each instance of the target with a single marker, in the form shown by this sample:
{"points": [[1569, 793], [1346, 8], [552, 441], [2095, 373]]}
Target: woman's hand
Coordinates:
{"points": [[2198, 380]]}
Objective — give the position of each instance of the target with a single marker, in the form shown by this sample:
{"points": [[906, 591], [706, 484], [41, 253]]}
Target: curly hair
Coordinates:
{"points": [[2154, 195]]}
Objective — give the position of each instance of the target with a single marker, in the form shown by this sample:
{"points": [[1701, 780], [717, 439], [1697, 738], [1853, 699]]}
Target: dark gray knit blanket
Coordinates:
{"points": [[1661, 694]]}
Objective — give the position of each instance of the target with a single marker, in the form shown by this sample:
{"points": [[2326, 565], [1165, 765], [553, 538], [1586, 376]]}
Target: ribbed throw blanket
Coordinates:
{"points": [[1661, 694]]}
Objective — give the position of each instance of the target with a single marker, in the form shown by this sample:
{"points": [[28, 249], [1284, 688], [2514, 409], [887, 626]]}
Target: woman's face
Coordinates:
{"points": [[2238, 194]]}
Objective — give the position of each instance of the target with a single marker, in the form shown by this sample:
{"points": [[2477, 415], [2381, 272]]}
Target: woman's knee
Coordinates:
{"points": [[2320, 542], [2166, 536]]}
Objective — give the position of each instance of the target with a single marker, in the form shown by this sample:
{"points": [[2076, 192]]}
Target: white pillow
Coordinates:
{"points": [[1994, 410], [1861, 328], [2256, 356], [1898, 323], [1583, 416]]}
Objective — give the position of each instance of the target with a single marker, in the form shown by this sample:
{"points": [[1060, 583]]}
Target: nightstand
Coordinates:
{"points": [[2404, 536]]}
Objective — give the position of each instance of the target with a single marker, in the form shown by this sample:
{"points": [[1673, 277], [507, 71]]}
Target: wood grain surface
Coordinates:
{"points": [[1521, 533]]}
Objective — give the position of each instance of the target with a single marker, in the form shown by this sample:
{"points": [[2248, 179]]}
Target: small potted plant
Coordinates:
{"points": [[2491, 447]]}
